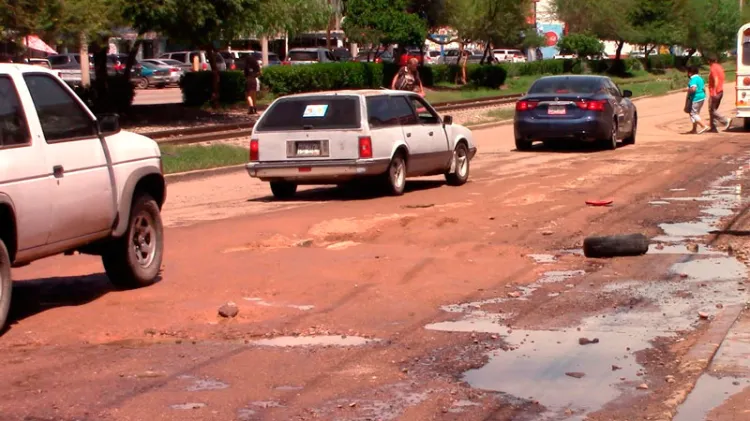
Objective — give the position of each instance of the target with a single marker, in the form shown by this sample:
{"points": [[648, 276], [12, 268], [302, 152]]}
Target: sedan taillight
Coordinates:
{"points": [[595, 105], [526, 105], [365, 147], [254, 150]]}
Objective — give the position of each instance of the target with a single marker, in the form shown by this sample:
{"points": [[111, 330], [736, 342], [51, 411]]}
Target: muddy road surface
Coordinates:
{"points": [[470, 303]]}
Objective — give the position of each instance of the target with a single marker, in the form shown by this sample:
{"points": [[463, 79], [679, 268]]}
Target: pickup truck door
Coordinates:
{"points": [[83, 200], [26, 183], [429, 138]]}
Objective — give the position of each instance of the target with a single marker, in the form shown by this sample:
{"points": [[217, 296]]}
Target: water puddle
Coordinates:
{"points": [[658, 203], [712, 269], [560, 276], [262, 302], [682, 249], [709, 393], [302, 341], [189, 405], [288, 388], [207, 384], [543, 258]]}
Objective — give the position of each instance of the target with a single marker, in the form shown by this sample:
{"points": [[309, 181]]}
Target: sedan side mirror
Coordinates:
{"points": [[108, 123], [448, 120], [627, 94]]}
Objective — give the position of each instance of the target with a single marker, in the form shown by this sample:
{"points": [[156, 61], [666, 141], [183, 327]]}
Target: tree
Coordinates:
{"points": [[606, 19], [202, 23], [383, 22], [20, 18], [582, 45], [654, 23], [710, 26], [498, 22]]}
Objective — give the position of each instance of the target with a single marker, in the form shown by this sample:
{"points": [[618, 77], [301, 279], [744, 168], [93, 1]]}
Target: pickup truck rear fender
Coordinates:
{"points": [[143, 180], [8, 225]]}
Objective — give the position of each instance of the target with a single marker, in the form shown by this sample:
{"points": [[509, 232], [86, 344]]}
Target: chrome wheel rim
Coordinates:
{"points": [[614, 135], [398, 174], [462, 162], [143, 240]]}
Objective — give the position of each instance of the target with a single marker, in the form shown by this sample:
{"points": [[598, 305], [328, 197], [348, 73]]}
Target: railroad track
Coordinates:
{"points": [[208, 133]]}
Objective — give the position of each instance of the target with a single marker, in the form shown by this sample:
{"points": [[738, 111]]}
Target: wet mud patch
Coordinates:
{"points": [[309, 341]]}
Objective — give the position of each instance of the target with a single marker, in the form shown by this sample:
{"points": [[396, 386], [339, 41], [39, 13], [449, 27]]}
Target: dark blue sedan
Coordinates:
{"points": [[585, 108]]}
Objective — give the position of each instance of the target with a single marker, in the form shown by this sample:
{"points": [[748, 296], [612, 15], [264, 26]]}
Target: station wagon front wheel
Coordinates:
{"points": [[6, 284], [395, 177], [461, 166]]}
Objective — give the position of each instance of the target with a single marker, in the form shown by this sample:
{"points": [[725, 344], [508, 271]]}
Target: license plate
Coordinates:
{"points": [[556, 110], [308, 148]]}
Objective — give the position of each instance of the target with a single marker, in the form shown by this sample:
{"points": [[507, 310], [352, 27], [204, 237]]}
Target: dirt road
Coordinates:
{"points": [[469, 303]]}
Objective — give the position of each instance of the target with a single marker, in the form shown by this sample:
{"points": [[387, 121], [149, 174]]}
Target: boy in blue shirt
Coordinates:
{"points": [[697, 95]]}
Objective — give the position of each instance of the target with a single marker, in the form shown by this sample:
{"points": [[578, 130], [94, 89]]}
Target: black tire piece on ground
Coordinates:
{"points": [[6, 284], [283, 190], [455, 178], [120, 263], [616, 245]]}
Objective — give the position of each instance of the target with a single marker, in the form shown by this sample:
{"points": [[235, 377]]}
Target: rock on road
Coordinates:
{"points": [[446, 303]]}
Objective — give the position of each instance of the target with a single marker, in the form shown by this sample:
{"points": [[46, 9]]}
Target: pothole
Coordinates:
{"points": [[709, 393], [543, 258], [304, 341]]}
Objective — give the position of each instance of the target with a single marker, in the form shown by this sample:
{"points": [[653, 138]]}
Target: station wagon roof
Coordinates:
{"points": [[353, 92], [18, 68]]}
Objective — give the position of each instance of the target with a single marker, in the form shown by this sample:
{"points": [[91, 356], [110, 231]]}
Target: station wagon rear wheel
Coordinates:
{"points": [[462, 167], [6, 284], [395, 177], [283, 190]]}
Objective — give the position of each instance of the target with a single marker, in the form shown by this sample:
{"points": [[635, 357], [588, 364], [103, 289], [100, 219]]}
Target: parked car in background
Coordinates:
{"points": [[186, 57], [41, 62], [409, 54], [375, 57], [431, 57], [449, 57], [235, 59], [168, 62], [309, 56], [335, 137], [71, 181], [176, 71], [342, 54], [117, 63], [508, 55], [582, 108], [148, 75], [68, 67]]}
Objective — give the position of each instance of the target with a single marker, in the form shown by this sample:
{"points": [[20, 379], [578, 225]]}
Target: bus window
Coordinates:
{"points": [[746, 53]]}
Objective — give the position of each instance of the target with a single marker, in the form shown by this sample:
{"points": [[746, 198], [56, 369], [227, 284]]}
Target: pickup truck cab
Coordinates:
{"points": [[335, 137], [70, 181]]}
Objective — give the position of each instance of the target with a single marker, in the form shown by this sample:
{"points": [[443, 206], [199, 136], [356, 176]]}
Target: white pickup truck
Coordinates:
{"points": [[70, 181]]}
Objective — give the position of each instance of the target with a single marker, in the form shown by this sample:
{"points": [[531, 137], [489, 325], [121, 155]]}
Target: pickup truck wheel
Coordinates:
{"points": [[135, 259], [395, 177], [283, 190], [6, 284], [462, 167]]}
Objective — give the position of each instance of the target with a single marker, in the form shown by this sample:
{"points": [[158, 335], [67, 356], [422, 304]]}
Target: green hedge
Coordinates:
{"points": [[118, 98], [197, 87]]}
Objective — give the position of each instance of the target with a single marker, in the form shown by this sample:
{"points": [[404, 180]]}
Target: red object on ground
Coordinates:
{"points": [[605, 202]]}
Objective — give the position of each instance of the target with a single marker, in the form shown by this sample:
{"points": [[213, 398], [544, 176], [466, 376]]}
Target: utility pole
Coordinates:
{"points": [[85, 65]]}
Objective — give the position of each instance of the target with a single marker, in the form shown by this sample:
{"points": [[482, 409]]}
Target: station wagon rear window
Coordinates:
{"points": [[312, 113]]}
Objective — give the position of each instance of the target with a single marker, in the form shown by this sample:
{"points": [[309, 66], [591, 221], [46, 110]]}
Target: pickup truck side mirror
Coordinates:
{"points": [[108, 123], [447, 120]]}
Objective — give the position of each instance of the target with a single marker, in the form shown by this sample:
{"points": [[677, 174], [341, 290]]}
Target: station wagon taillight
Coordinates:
{"points": [[595, 105], [365, 147], [526, 105], [254, 150]]}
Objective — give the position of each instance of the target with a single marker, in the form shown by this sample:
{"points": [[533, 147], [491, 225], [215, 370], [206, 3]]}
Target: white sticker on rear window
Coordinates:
{"points": [[315, 111]]}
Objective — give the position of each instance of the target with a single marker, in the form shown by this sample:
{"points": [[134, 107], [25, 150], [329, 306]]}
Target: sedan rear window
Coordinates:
{"points": [[566, 85], [311, 113], [303, 55]]}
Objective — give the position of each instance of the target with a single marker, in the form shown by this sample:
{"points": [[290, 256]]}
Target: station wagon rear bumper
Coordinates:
{"points": [[322, 172]]}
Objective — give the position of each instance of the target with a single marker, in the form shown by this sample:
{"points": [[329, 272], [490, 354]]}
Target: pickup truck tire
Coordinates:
{"points": [[460, 176], [283, 190], [134, 260], [394, 180], [6, 284]]}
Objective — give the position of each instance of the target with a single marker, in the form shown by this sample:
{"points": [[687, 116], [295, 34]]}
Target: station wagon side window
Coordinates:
{"points": [[379, 113], [403, 111], [61, 116], [424, 113], [14, 131]]}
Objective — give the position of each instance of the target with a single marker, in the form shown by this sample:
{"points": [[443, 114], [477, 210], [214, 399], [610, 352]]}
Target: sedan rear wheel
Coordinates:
{"points": [[523, 145], [142, 83], [611, 142], [630, 140]]}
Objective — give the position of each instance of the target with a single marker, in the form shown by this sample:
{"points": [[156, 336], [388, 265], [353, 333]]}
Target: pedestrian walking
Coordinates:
{"points": [[407, 78], [252, 72], [696, 97], [716, 94]]}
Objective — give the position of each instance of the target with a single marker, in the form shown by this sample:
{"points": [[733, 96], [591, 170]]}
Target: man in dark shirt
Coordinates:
{"points": [[252, 72]]}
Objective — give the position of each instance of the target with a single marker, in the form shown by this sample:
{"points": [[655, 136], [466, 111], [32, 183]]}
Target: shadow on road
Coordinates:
{"points": [[563, 146], [39, 295], [362, 190]]}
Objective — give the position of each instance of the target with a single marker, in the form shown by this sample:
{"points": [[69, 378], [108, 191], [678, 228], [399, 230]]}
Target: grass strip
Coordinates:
{"points": [[182, 158]]}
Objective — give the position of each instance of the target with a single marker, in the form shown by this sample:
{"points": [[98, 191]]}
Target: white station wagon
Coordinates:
{"points": [[336, 137]]}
